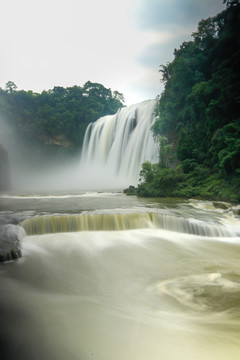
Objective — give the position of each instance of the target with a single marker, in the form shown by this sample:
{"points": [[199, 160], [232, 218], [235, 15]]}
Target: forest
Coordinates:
{"points": [[59, 114], [198, 115]]}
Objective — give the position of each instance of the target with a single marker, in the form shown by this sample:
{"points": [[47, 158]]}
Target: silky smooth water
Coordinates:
{"points": [[123, 294], [115, 146]]}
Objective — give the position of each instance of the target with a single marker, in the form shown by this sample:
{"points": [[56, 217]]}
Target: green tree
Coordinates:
{"points": [[199, 109], [57, 111], [10, 87]]}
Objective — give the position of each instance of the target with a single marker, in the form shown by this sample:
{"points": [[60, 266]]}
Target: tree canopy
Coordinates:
{"points": [[59, 110], [199, 109]]}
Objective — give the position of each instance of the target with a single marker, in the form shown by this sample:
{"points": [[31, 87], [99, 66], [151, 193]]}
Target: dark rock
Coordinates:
{"points": [[12, 255], [236, 211], [4, 170], [221, 205], [132, 190]]}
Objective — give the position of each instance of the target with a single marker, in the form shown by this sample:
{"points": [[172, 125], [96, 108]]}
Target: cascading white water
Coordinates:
{"points": [[124, 221], [104, 276], [115, 146]]}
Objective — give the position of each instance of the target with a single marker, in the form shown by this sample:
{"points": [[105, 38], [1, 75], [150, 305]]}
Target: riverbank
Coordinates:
{"points": [[218, 191], [198, 184]]}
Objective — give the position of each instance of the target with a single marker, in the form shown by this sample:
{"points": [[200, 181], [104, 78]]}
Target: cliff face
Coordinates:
{"points": [[59, 140], [4, 169]]}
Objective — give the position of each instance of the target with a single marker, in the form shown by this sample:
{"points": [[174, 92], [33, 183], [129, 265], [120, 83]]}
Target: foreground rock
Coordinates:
{"points": [[10, 242]]}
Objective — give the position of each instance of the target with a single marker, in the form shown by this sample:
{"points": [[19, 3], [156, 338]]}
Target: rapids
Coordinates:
{"points": [[109, 277]]}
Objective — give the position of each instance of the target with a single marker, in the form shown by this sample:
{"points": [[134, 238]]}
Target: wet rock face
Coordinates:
{"points": [[10, 255], [10, 242], [59, 140], [4, 169]]}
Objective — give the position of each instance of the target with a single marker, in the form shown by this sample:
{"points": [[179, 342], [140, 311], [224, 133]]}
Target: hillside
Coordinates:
{"points": [[56, 120], [198, 116]]}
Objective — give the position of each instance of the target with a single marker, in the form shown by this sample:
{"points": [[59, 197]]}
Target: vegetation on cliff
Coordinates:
{"points": [[47, 116], [198, 116]]}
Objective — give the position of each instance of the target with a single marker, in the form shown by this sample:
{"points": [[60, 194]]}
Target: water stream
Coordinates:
{"points": [[109, 277]]}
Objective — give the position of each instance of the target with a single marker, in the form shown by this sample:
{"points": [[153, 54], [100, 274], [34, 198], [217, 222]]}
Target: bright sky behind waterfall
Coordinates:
{"points": [[119, 44]]}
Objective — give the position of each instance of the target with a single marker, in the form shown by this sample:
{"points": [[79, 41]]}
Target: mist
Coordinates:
{"points": [[36, 170], [113, 151], [32, 169]]}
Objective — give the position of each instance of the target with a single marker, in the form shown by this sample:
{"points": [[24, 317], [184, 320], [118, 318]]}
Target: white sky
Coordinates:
{"points": [[119, 44]]}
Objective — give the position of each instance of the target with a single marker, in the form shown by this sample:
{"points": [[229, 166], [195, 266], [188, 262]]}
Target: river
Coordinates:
{"points": [[142, 279]]}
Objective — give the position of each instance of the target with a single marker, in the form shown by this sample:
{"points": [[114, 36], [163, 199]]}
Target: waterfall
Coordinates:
{"points": [[123, 221], [115, 146]]}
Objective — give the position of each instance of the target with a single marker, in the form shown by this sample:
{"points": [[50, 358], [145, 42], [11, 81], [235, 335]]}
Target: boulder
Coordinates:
{"points": [[10, 242]]}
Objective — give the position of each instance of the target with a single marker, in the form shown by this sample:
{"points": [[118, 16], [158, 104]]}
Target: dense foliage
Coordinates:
{"points": [[199, 114], [61, 110]]}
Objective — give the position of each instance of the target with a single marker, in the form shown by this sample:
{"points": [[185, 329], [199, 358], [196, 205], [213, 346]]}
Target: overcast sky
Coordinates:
{"points": [[119, 44]]}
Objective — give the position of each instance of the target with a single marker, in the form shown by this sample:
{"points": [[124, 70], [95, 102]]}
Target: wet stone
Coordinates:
{"points": [[10, 242]]}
